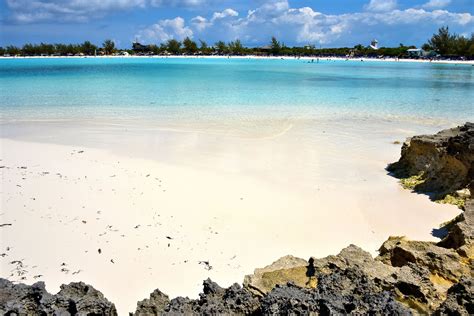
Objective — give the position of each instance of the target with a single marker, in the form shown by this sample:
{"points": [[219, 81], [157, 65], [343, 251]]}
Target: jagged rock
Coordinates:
{"points": [[285, 269], [460, 299], [351, 290], [290, 299], [22, 299], [352, 256], [213, 301], [443, 162], [72, 299], [154, 305], [461, 233], [341, 292], [442, 262], [436, 268]]}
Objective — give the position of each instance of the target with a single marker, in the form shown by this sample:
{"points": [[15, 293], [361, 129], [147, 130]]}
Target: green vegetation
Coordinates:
{"points": [[445, 44], [189, 46], [411, 182], [452, 199], [109, 47], [173, 46]]}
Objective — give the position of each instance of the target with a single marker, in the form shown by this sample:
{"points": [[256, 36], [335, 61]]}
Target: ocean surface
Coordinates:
{"points": [[209, 89]]}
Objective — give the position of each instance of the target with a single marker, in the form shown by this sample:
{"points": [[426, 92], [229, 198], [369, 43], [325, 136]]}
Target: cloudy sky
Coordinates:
{"points": [[295, 22]]}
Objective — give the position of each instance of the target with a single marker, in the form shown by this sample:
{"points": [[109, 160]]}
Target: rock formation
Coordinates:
{"points": [[72, 299], [407, 277], [439, 164]]}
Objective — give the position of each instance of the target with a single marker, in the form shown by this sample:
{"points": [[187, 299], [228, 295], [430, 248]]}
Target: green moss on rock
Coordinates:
{"points": [[410, 183], [451, 199]]}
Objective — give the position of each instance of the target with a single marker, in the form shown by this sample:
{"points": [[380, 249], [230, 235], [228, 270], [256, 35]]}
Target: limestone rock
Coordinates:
{"points": [[460, 300], [73, 299], [284, 270], [461, 233], [444, 161], [445, 263], [213, 301], [154, 305]]}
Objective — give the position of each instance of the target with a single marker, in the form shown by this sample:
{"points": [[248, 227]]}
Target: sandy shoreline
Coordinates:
{"points": [[167, 201], [460, 62]]}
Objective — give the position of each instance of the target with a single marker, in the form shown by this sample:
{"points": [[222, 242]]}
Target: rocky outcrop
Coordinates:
{"points": [[460, 299], [461, 232], [408, 277], [72, 299], [213, 301], [342, 292], [439, 164], [285, 269]]}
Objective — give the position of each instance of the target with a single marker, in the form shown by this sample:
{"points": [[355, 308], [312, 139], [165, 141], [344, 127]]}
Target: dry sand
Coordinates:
{"points": [[386, 59], [159, 202]]}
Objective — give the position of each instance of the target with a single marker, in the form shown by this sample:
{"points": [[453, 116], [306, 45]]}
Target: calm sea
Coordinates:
{"points": [[213, 88]]}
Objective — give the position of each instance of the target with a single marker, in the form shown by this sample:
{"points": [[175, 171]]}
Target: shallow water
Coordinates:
{"points": [[214, 89]]}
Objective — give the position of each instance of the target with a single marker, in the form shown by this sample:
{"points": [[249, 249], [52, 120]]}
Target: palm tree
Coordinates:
{"points": [[276, 46], [190, 46], [221, 47], [174, 46], [109, 47], [88, 48], [236, 47]]}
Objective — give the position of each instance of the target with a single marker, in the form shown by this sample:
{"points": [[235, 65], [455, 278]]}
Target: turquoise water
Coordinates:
{"points": [[154, 87]]}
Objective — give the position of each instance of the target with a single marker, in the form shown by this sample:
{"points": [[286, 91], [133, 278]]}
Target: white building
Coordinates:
{"points": [[374, 44]]}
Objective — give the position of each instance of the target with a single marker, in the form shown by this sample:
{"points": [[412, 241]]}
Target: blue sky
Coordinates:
{"points": [[295, 22]]}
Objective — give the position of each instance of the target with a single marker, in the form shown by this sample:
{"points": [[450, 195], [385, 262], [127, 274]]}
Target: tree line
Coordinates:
{"points": [[86, 48], [450, 44], [443, 43]]}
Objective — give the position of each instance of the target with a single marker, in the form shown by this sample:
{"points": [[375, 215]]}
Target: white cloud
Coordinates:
{"points": [[436, 4], [298, 25], [30, 11], [178, 3], [165, 30], [381, 5], [224, 14], [200, 23], [307, 26]]}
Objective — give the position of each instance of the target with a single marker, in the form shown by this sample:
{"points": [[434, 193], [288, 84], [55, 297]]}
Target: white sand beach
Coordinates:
{"points": [[255, 57], [132, 208]]}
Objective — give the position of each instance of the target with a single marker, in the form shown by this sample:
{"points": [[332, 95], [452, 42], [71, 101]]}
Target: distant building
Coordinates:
{"points": [[139, 48], [415, 52], [374, 44], [420, 53]]}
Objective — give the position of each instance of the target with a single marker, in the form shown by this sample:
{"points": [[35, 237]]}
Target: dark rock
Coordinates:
{"points": [[154, 305], [213, 301], [460, 299], [72, 299], [461, 232], [342, 292]]}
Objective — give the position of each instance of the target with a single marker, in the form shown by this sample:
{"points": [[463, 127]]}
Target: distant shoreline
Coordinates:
{"points": [[254, 57]]}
